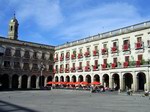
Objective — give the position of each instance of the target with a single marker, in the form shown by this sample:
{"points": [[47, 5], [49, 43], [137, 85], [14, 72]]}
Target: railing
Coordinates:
{"points": [[104, 51], [126, 47], [87, 54], [80, 56], [95, 53], [139, 45], [114, 49]]}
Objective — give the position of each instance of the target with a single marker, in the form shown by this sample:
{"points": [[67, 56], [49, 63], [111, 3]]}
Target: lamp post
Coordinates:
{"points": [[42, 67]]}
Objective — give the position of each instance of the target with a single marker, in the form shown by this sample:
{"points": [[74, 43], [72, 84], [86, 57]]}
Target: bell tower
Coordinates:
{"points": [[13, 29]]}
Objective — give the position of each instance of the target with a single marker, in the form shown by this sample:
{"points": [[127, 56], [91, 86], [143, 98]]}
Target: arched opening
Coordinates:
{"points": [[15, 82], [88, 78], [61, 79], [41, 81], [33, 81], [106, 80], [96, 78], [67, 79], [4, 79], [116, 81], [73, 78], [49, 78], [56, 79], [141, 80], [128, 80], [24, 81], [80, 79]]}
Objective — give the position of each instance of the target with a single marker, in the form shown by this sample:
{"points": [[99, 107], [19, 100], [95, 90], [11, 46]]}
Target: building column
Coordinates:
{"points": [[19, 84], [10, 82], [45, 81], [122, 82], [29, 82], [37, 82], [135, 82], [147, 81], [111, 82]]}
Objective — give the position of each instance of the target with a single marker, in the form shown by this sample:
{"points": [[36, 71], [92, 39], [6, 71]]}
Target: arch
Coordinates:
{"points": [[4, 79], [61, 79], [96, 78], [49, 78], [15, 81], [128, 78], [33, 81], [73, 78], [56, 79], [106, 80], [41, 81], [116, 80], [24, 81], [88, 78], [141, 80], [67, 79], [80, 79]]}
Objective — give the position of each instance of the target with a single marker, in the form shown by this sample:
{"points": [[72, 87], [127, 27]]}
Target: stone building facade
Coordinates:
{"points": [[24, 64], [118, 59]]}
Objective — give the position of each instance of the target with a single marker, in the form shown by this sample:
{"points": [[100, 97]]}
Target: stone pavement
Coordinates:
{"points": [[71, 101]]}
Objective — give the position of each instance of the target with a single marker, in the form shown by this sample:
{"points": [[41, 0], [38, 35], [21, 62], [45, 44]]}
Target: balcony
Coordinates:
{"points": [[73, 69], [80, 56], [73, 56], [66, 70], [114, 49], [113, 65], [95, 68], [80, 69], [67, 57], [95, 53], [61, 58], [138, 63], [87, 68], [125, 64], [87, 54], [104, 66], [139, 45], [61, 70], [126, 47], [56, 59], [104, 51]]}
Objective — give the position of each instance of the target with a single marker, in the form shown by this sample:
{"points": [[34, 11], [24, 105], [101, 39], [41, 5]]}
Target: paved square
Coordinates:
{"points": [[71, 101]]}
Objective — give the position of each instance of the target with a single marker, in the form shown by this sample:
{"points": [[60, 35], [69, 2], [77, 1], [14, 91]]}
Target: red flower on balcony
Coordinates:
{"points": [[56, 59], [66, 70], [95, 67], [73, 56], [104, 51], [126, 64], [61, 70], [138, 63], [138, 45], [73, 69], [104, 66], [67, 56], [80, 56], [125, 47], [87, 68], [113, 65], [114, 49], [80, 69], [95, 53], [87, 54], [61, 58]]}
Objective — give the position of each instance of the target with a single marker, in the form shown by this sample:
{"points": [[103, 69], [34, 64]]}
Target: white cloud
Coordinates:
{"points": [[44, 13], [99, 19]]}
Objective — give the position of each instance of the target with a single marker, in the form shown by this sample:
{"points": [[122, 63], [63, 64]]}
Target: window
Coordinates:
{"points": [[17, 53], [139, 39], [43, 56], [115, 60], [125, 42], [80, 64], [96, 48], [88, 63], [80, 51], [35, 55], [16, 65], [7, 64], [140, 57], [114, 44], [8, 52], [105, 61], [126, 58], [50, 67], [26, 54]]}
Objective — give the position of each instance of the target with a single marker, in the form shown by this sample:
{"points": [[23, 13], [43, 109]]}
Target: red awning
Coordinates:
{"points": [[84, 83], [95, 83], [50, 82]]}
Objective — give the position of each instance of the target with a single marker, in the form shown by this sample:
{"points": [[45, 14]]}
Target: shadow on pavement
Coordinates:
{"points": [[9, 107]]}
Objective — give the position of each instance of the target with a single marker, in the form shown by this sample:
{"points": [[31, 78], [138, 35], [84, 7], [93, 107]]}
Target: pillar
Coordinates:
{"points": [[19, 85], [45, 81], [29, 82], [111, 82], [122, 82], [10, 82], [37, 82], [135, 82]]}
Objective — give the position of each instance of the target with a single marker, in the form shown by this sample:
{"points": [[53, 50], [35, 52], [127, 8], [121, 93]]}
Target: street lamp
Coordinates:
{"points": [[42, 67]]}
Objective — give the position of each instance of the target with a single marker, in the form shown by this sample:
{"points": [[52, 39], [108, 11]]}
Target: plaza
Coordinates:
{"points": [[71, 101]]}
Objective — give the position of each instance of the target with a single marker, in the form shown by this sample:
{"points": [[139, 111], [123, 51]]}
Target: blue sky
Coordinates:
{"points": [[55, 22]]}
